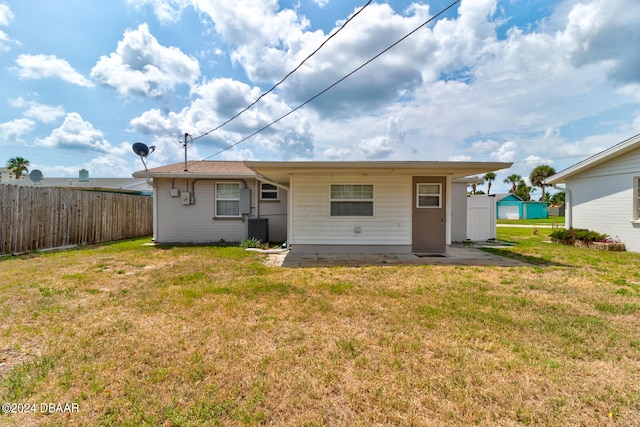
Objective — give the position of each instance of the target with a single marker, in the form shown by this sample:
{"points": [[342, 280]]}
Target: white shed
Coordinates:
{"points": [[481, 217]]}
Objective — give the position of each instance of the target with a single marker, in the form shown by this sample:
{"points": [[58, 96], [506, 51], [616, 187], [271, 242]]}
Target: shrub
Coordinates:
{"points": [[251, 243], [573, 234]]}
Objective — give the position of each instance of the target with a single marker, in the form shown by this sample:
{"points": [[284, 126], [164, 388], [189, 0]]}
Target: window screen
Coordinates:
{"points": [[351, 200], [429, 195], [227, 199]]}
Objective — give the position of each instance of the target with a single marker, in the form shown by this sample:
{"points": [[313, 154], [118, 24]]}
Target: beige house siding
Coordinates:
{"points": [[193, 223], [312, 223], [275, 211], [602, 199]]}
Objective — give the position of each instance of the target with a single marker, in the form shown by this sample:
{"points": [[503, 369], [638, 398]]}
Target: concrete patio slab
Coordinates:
{"points": [[457, 254]]}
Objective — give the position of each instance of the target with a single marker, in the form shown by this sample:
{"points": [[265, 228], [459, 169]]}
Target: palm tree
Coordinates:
{"points": [[18, 166], [524, 191], [489, 177], [513, 179], [538, 175]]}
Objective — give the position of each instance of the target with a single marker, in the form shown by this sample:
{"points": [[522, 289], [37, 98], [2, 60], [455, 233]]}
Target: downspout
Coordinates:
{"points": [[568, 208], [154, 202]]}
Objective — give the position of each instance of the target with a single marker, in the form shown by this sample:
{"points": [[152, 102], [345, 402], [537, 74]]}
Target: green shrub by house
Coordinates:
{"points": [[573, 234]]}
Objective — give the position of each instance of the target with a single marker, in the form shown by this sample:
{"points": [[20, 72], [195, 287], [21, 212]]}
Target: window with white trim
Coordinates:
{"points": [[429, 195], [228, 199], [636, 198], [351, 200], [268, 191]]}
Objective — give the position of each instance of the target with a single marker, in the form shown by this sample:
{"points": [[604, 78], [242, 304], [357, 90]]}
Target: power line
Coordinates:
{"points": [[338, 81], [288, 75]]}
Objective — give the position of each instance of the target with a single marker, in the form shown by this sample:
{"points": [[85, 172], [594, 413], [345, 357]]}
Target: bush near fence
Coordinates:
{"points": [[35, 218]]}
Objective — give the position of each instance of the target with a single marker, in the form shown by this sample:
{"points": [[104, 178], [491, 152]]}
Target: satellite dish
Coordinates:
{"points": [[141, 149], [35, 175]]}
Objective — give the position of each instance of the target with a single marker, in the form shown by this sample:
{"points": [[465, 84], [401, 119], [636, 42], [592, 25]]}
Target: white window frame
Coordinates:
{"points": [[275, 190], [352, 200], [438, 195], [226, 199]]}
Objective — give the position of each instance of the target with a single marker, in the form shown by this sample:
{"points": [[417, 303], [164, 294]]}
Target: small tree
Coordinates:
{"points": [[557, 198], [489, 177], [18, 165]]}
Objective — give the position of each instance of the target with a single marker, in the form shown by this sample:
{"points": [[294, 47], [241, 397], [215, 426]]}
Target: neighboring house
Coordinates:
{"points": [[602, 193], [7, 175], [510, 206], [317, 207], [135, 186]]}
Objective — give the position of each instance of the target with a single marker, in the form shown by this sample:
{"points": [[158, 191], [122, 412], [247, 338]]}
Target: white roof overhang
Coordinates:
{"points": [[281, 171]]}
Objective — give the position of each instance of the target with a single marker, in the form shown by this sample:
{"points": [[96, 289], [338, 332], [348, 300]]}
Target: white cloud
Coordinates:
{"points": [[466, 86], [482, 147], [101, 166], [39, 112], [34, 67], [6, 16], [460, 158], [76, 133], [15, 130], [166, 11], [215, 102], [602, 30], [140, 65], [532, 161], [507, 152], [336, 153]]}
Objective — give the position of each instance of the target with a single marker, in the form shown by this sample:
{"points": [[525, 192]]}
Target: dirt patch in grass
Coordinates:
{"points": [[212, 336]]}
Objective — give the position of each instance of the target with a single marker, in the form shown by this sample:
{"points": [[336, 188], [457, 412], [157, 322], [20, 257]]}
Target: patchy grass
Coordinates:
{"points": [[140, 335], [552, 220]]}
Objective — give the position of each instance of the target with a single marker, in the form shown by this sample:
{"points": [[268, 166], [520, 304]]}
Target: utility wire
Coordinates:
{"points": [[437, 15], [288, 75]]}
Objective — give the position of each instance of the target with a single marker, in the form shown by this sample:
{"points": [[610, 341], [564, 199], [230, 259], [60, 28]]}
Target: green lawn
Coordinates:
{"points": [[188, 336], [556, 220]]}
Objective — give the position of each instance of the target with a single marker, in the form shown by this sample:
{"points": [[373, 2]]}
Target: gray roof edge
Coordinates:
{"points": [[192, 175], [404, 164], [601, 157]]}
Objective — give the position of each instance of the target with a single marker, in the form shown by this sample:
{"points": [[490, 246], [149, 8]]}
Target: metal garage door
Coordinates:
{"points": [[508, 212]]}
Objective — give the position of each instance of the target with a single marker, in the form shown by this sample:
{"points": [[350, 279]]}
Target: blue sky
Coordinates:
{"points": [[526, 81]]}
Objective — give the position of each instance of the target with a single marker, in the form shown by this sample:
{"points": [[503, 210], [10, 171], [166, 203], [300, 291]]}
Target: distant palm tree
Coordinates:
{"points": [[489, 177], [538, 175], [524, 191], [513, 179], [18, 166], [474, 188]]}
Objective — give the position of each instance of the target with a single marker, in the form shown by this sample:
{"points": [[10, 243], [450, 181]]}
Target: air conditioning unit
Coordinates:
{"points": [[259, 228]]}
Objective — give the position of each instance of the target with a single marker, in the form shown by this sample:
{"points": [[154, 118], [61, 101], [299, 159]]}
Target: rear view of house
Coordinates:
{"points": [[603, 192], [316, 207]]}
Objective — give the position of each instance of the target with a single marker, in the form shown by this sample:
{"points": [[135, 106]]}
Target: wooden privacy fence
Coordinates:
{"points": [[33, 218]]}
